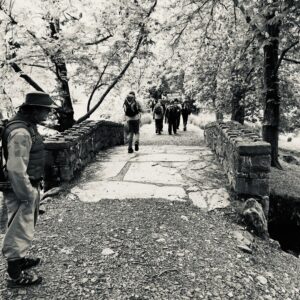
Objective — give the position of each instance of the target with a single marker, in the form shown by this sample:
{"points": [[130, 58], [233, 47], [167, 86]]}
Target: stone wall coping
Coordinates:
{"points": [[71, 136], [241, 137], [253, 148]]}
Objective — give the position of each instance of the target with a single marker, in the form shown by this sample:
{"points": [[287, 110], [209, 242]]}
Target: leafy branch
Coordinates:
{"points": [[141, 37]]}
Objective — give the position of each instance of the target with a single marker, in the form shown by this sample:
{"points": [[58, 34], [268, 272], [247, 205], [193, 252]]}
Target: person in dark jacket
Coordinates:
{"points": [[24, 154], [185, 112], [171, 116], [158, 116], [133, 110], [178, 112]]}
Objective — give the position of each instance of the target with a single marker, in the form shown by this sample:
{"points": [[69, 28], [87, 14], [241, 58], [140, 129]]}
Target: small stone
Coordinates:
{"points": [[22, 292], [245, 248], [84, 280], [262, 279], [52, 192], [94, 279], [185, 218], [161, 240], [230, 294], [107, 251]]}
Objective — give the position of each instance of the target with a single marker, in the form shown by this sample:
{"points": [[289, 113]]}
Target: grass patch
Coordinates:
{"points": [[286, 182]]}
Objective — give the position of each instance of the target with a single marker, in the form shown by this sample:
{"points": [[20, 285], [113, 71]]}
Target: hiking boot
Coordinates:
{"points": [[24, 280], [136, 147], [27, 263], [130, 150]]}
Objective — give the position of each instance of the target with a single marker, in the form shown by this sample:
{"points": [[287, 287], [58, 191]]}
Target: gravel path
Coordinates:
{"points": [[152, 249]]}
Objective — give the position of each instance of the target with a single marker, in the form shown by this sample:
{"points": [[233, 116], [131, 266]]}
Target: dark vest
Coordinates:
{"points": [[35, 169]]}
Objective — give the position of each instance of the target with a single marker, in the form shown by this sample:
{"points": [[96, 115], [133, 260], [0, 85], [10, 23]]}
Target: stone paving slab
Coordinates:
{"points": [[210, 199], [165, 157], [108, 169], [96, 191], [152, 172]]}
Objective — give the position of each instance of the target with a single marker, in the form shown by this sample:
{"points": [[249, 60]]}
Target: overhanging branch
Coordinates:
{"points": [[99, 41], [28, 79], [283, 53], [117, 79], [292, 60]]}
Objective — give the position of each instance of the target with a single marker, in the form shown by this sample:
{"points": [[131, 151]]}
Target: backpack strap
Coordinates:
{"points": [[12, 125], [25, 124]]}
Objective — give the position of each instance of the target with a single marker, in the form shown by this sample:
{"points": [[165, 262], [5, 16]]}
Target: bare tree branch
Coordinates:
{"points": [[38, 66], [28, 79], [292, 60], [99, 41], [283, 53], [97, 86]]}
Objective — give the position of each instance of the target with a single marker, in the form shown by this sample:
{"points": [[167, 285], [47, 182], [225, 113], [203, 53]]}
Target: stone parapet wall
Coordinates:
{"points": [[69, 152], [245, 157]]}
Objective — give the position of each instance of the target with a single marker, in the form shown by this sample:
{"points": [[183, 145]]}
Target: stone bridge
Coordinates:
{"points": [[185, 172]]}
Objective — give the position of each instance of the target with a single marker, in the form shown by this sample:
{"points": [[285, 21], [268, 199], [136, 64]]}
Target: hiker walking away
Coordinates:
{"points": [[133, 109], [24, 155], [171, 117], [158, 116], [185, 111], [153, 103], [178, 112]]}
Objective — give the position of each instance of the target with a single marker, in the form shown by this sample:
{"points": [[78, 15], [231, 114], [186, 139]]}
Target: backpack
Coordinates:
{"points": [[4, 182], [158, 110], [131, 109], [3, 175], [186, 107], [173, 111]]}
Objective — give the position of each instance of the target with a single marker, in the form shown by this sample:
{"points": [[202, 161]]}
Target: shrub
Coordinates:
{"points": [[146, 119], [202, 119]]}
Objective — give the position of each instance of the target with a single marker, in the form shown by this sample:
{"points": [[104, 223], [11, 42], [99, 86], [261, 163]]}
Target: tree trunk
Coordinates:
{"points": [[66, 113], [270, 130], [237, 109]]}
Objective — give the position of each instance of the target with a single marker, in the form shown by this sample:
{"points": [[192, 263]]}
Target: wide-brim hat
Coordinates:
{"points": [[39, 99], [131, 94]]}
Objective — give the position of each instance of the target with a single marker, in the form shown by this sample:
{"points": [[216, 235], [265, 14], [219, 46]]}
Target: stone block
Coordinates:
{"points": [[250, 186], [55, 144], [253, 148], [251, 164]]}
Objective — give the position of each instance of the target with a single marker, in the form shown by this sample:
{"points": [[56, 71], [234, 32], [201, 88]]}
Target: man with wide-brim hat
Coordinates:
{"points": [[23, 149]]}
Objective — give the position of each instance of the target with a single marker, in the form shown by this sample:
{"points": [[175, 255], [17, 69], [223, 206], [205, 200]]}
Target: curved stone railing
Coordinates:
{"points": [[69, 152], [245, 157]]}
